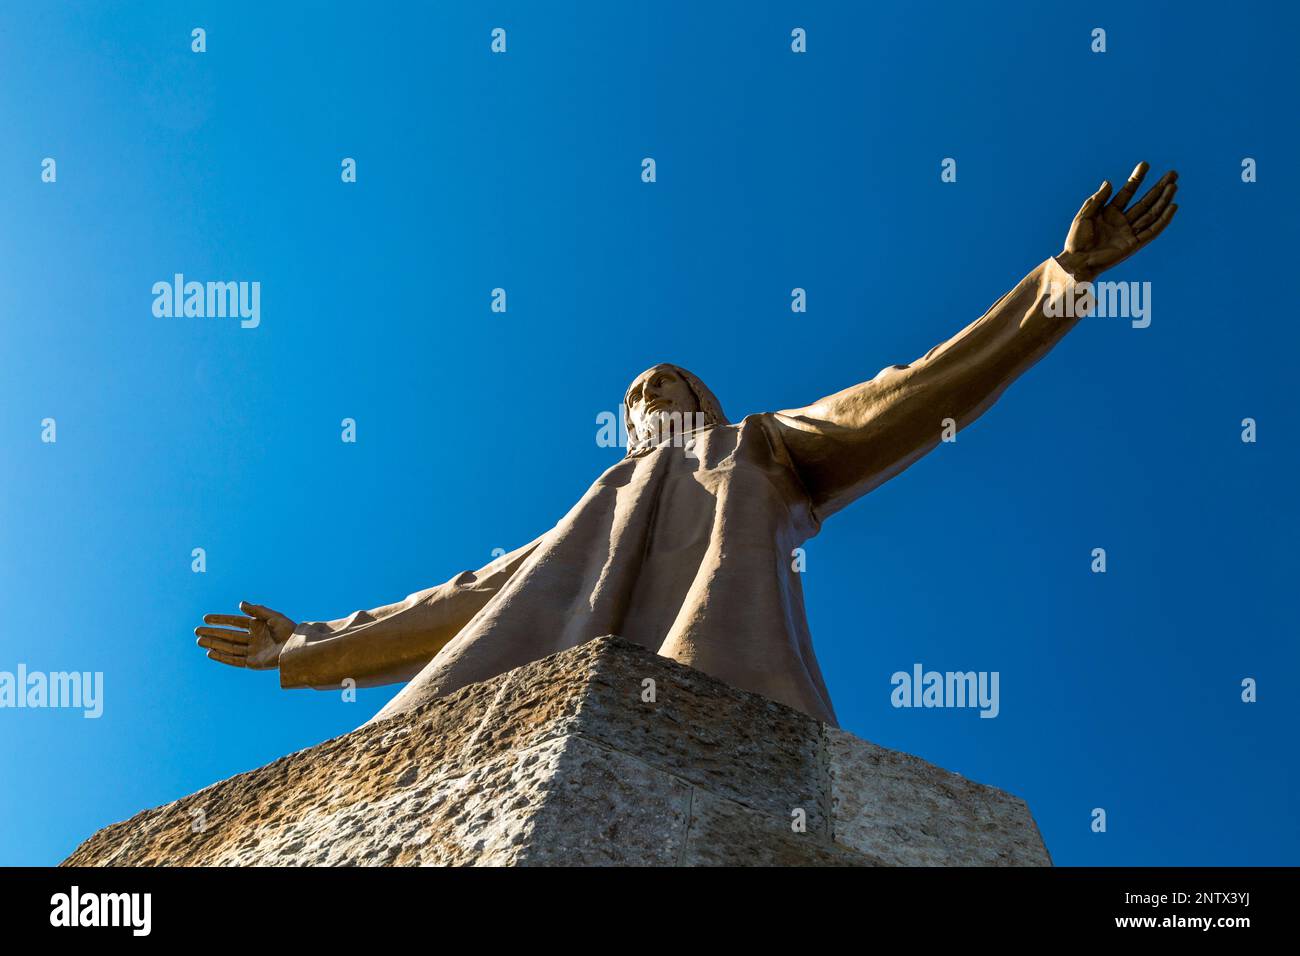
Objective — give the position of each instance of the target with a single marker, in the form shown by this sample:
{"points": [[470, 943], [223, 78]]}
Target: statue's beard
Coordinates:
{"points": [[669, 423]]}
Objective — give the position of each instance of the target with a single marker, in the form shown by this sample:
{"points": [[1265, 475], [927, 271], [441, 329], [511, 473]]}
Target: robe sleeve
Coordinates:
{"points": [[853, 441], [391, 644]]}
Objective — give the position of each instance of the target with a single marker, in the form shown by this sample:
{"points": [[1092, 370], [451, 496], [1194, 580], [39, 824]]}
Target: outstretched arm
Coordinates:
{"points": [[384, 645], [391, 644], [849, 443]]}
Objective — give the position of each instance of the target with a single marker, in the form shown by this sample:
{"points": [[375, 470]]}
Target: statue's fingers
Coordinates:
{"points": [[1158, 226], [231, 637], [1094, 203], [229, 620], [1157, 208], [228, 659], [1143, 205], [1129, 188], [225, 647]]}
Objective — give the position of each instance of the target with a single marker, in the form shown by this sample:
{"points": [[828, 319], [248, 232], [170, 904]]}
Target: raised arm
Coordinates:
{"points": [[849, 443]]}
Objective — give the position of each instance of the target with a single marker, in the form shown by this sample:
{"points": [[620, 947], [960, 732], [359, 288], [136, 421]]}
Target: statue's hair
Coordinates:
{"points": [[709, 405]]}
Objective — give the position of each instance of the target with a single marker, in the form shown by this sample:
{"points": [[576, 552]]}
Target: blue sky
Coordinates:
{"points": [[476, 430]]}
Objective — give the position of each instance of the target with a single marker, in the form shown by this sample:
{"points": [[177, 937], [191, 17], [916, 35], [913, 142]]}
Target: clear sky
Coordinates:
{"points": [[476, 430]]}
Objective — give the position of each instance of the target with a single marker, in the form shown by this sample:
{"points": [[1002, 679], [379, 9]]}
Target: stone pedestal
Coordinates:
{"points": [[606, 754]]}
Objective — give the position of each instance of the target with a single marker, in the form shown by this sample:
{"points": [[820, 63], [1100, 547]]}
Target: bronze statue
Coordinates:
{"points": [[685, 545]]}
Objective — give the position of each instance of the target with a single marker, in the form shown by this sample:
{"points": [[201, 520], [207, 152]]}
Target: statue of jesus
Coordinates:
{"points": [[684, 545]]}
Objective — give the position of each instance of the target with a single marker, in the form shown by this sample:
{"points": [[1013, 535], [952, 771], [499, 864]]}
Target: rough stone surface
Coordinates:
{"points": [[564, 762], [907, 812]]}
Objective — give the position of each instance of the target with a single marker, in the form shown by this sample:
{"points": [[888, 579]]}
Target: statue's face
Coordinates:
{"points": [[655, 398]]}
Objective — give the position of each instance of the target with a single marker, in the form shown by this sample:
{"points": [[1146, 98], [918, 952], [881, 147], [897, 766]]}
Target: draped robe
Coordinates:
{"points": [[687, 550]]}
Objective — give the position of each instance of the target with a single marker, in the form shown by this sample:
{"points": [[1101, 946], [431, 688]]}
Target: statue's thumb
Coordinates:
{"points": [[256, 610]]}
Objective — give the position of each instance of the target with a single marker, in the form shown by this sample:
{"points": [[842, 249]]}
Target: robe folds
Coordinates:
{"points": [[686, 549]]}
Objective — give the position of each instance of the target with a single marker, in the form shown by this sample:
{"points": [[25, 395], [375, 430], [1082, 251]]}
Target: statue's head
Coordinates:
{"points": [[667, 400]]}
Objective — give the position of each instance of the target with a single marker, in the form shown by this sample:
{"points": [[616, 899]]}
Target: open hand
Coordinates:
{"points": [[255, 641], [1104, 233]]}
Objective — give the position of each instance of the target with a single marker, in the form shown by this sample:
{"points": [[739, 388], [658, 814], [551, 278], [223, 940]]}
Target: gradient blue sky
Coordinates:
{"points": [[476, 430]]}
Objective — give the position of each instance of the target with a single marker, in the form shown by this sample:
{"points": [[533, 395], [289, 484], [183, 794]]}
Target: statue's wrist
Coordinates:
{"points": [[1073, 264]]}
